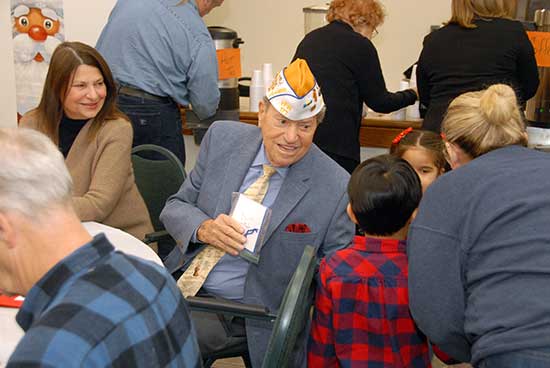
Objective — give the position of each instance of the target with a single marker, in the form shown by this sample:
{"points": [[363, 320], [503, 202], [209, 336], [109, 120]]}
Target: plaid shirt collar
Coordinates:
{"points": [[45, 290], [377, 245]]}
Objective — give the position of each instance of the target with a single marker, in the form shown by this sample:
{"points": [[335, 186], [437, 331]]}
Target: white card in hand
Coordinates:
{"points": [[250, 215]]}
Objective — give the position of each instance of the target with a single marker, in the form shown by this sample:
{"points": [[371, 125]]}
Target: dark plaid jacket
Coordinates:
{"points": [[99, 307]]}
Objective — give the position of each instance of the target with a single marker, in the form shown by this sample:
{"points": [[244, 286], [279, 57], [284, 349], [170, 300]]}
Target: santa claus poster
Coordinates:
{"points": [[37, 30]]}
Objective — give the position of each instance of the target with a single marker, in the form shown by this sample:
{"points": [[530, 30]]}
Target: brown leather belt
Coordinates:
{"points": [[136, 92]]}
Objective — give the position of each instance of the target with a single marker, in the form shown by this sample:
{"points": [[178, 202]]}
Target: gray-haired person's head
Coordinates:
{"points": [[33, 175]]}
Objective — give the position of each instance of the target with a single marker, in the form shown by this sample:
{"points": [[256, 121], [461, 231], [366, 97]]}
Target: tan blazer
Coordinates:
{"points": [[104, 189]]}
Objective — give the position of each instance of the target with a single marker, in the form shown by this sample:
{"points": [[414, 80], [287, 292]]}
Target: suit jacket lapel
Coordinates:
{"points": [[295, 186], [236, 168]]}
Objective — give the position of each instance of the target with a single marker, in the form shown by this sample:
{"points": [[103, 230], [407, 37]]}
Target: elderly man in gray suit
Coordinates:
{"points": [[306, 193]]}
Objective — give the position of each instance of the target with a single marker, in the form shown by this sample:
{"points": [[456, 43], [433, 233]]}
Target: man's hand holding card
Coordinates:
{"points": [[254, 218]]}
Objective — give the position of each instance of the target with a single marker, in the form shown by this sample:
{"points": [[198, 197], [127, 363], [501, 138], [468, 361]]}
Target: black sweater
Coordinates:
{"points": [[347, 68], [68, 130], [455, 60]]}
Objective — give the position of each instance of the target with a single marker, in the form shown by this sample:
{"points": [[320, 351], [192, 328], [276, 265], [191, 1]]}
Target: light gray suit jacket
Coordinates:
{"points": [[313, 193]]}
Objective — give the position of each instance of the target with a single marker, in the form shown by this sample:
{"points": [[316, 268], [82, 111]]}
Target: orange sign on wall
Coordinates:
{"points": [[229, 63], [541, 43]]}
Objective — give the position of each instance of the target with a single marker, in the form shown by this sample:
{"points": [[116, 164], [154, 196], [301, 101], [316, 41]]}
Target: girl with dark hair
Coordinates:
{"points": [[423, 150]]}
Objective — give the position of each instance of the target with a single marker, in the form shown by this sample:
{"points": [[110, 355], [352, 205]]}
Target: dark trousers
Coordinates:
{"points": [[217, 333], [154, 122], [219, 336]]}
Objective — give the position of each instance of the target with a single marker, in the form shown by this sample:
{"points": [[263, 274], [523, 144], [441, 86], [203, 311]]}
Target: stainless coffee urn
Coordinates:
{"points": [[225, 38], [228, 108], [315, 16]]}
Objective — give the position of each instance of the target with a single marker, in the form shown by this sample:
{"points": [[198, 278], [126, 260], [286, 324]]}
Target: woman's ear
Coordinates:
{"points": [[457, 157]]}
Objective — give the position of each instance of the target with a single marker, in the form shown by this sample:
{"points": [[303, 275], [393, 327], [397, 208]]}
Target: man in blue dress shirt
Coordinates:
{"points": [[86, 304], [161, 54]]}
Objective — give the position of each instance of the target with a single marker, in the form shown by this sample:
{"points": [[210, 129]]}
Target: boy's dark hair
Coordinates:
{"points": [[383, 192]]}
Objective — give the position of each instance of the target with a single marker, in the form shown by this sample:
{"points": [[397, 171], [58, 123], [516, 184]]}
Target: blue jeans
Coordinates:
{"points": [[154, 122], [532, 358]]}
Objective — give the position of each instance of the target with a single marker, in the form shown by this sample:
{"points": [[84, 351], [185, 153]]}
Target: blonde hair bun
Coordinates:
{"points": [[498, 104], [485, 120]]}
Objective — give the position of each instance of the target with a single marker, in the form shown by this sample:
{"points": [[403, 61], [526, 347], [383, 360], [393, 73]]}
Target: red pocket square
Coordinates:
{"points": [[297, 228]]}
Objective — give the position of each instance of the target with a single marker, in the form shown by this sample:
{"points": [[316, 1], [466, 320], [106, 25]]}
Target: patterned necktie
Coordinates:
{"points": [[194, 276]]}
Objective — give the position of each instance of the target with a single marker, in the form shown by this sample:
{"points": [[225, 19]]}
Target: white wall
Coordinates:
{"points": [[400, 40], [84, 20], [271, 30], [8, 111]]}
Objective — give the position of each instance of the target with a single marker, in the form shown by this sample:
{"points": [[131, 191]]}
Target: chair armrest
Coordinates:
{"points": [[156, 236], [215, 305]]}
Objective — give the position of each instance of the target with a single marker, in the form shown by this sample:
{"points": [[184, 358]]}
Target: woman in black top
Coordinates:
{"points": [[345, 64], [480, 46]]}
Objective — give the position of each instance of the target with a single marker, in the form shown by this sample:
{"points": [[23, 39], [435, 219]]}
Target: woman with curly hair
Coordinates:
{"points": [[346, 65]]}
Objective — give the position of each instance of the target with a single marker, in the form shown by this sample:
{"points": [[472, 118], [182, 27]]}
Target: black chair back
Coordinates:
{"points": [[157, 180], [293, 313]]}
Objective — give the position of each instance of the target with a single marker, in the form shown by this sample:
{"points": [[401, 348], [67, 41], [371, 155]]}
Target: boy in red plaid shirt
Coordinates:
{"points": [[362, 314]]}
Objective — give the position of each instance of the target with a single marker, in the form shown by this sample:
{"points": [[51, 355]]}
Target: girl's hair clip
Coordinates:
{"points": [[400, 136], [443, 136]]}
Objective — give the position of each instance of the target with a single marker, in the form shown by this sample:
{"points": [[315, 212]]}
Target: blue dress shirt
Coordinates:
{"points": [[228, 276], [165, 49]]}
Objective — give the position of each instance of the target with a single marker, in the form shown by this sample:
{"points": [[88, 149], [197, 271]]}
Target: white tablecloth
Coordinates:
{"points": [[11, 333], [123, 241]]}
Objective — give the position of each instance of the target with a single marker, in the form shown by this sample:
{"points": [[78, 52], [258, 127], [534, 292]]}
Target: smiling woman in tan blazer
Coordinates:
{"points": [[78, 112]]}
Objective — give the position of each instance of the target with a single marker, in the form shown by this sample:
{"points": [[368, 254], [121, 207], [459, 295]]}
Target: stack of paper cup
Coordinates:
{"points": [[267, 71], [257, 90], [401, 113], [413, 111]]}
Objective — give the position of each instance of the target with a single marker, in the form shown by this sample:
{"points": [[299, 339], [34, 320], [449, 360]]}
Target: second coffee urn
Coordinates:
{"points": [[225, 39]]}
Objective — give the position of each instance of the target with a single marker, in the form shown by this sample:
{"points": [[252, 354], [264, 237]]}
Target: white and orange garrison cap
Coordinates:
{"points": [[295, 93]]}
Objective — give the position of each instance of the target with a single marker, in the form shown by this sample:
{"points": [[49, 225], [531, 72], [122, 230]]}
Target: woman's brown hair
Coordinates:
{"points": [[66, 58], [356, 12], [465, 11], [479, 122]]}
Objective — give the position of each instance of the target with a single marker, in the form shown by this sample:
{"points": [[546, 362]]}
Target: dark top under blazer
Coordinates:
{"points": [[455, 60], [347, 68]]}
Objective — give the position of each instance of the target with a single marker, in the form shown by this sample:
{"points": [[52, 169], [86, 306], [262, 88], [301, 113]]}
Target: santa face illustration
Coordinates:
{"points": [[37, 32]]}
